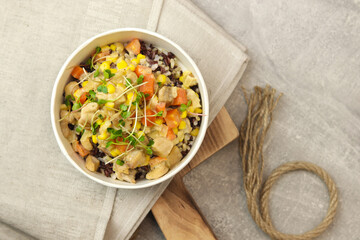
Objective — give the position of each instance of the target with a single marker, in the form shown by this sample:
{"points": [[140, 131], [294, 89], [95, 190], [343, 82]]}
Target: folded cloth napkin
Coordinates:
{"points": [[42, 195]]}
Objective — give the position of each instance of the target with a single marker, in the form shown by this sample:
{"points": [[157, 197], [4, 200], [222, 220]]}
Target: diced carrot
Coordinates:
{"points": [[172, 118], [134, 46], [148, 87], [170, 134], [80, 149], [77, 72], [83, 98], [121, 148], [142, 70], [181, 97], [156, 160], [161, 106], [148, 119]]}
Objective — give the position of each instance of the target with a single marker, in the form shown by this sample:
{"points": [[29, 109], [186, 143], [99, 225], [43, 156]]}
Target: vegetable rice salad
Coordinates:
{"points": [[130, 111]]}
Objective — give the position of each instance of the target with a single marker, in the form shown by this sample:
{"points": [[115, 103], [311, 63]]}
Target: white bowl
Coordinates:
{"points": [[84, 51]]}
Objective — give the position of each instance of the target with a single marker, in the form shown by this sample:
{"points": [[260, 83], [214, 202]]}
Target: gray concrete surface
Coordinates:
{"points": [[310, 51]]}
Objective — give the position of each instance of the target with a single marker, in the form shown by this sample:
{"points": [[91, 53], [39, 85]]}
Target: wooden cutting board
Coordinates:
{"points": [[175, 211]]}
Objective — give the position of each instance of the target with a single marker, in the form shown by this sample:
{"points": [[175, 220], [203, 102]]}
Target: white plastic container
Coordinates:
{"points": [[83, 52]]}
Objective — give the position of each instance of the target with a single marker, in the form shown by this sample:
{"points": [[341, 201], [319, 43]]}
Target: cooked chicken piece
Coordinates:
{"points": [[153, 102], [162, 146], [64, 125], [91, 85], [157, 171], [195, 100], [189, 81], [174, 157], [92, 163], [71, 87], [127, 177], [87, 112], [85, 140], [167, 94], [121, 169], [135, 158], [133, 77]]}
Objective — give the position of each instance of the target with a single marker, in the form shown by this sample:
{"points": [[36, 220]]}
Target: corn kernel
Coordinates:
{"points": [[138, 125], [175, 130], [131, 67], [110, 104], [184, 114], [104, 66], [63, 107], [94, 139], [140, 56], [131, 97], [84, 83], [113, 47], [103, 136], [139, 134], [181, 79], [182, 125], [122, 64], [195, 132], [191, 109], [198, 110], [115, 152], [111, 88], [113, 70], [159, 121], [161, 78], [99, 121], [77, 93], [147, 158], [135, 61]]}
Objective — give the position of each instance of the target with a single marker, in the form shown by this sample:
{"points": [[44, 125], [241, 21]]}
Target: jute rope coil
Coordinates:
{"points": [[261, 104]]}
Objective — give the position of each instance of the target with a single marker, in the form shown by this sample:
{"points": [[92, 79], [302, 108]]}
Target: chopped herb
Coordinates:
{"points": [[94, 127], [151, 142], [67, 100], [159, 114], [108, 74], [102, 101], [114, 133], [131, 139], [96, 74], [142, 138], [102, 88], [123, 107], [147, 95], [76, 105], [79, 129], [101, 116], [189, 103], [109, 143], [140, 79], [125, 115], [159, 83], [92, 96], [88, 62], [149, 151], [183, 107], [137, 100], [119, 162], [128, 82], [121, 122], [97, 49]]}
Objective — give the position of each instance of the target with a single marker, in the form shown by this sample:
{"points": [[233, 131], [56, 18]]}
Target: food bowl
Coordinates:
{"points": [[84, 51]]}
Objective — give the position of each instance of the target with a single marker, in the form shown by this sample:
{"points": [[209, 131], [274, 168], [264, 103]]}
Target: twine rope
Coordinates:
{"points": [[261, 104]]}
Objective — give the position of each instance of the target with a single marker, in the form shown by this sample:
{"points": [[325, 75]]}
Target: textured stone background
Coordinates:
{"points": [[309, 50]]}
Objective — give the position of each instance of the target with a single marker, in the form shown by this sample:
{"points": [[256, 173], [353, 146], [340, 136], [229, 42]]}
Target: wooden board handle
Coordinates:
{"points": [[178, 215]]}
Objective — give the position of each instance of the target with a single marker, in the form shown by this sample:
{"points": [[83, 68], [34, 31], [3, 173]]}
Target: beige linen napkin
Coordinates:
{"points": [[41, 194]]}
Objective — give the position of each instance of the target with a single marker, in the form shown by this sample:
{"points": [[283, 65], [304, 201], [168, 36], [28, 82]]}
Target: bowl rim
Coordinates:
{"points": [[202, 130]]}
